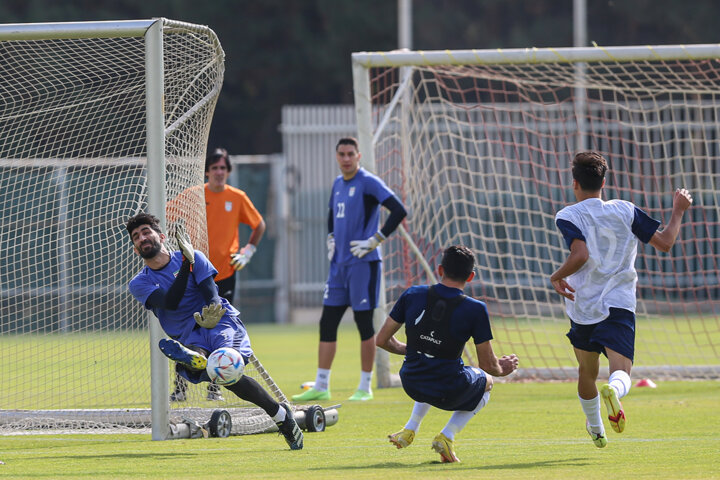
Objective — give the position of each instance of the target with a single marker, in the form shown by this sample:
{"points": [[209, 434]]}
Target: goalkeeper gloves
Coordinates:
{"points": [[330, 242], [240, 259], [360, 248], [210, 316], [184, 244]]}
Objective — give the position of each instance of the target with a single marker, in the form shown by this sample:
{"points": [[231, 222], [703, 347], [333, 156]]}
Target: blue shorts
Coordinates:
{"points": [[616, 332], [229, 332], [465, 398], [355, 284]]}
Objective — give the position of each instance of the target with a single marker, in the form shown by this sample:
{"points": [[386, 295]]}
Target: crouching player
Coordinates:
{"points": [[179, 288], [439, 320]]}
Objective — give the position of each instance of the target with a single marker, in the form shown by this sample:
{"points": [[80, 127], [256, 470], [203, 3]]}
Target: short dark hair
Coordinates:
{"points": [[458, 262], [143, 219], [588, 169], [348, 141], [215, 156]]}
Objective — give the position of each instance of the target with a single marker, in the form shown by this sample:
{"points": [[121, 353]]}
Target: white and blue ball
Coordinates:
{"points": [[225, 366]]}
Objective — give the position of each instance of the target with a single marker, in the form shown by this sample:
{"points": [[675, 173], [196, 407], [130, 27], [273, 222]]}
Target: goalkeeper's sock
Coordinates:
{"points": [[322, 379], [248, 389], [591, 408], [416, 417], [365, 381], [280, 415]]}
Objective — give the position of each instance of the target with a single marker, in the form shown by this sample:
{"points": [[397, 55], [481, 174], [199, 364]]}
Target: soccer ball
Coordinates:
{"points": [[225, 366]]}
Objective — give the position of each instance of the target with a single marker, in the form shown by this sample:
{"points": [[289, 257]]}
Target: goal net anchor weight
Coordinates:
{"points": [[311, 418]]}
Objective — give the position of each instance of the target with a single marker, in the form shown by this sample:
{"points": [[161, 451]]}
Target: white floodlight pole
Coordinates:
{"points": [[154, 87], [580, 40], [405, 42], [405, 24]]}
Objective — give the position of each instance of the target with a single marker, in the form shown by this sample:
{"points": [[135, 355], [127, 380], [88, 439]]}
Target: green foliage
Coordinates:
{"points": [[283, 52]]}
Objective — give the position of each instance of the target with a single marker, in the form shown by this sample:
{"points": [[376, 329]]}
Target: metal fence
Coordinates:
{"points": [[262, 286], [310, 134]]}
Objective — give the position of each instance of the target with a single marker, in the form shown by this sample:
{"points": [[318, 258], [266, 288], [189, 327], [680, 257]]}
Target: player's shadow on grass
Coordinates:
{"points": [[565, 462], [111, 456]]}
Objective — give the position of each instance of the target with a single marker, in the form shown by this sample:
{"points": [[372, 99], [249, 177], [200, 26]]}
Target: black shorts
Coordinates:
{"points": [[616, 332], [464, 399]]}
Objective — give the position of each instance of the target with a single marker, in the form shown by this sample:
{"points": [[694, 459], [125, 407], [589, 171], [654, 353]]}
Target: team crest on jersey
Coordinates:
{"points": [[228, 206], [175, 274], [351, 192]]}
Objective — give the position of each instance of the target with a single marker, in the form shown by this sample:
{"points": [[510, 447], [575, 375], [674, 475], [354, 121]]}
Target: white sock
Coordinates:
{"points": [[591, 408], [280, 415], [483, 401], [418, 413], [459, 419], [620, 381], [365, 381], [322, 379]]}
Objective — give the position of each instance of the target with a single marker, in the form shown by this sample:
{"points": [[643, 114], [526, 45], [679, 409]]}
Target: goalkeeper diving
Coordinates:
{"points": [[179, 289]]}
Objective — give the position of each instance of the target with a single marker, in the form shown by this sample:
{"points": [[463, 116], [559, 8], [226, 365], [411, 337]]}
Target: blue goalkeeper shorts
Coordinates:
{"points": [[229, 332], [355, 284]]}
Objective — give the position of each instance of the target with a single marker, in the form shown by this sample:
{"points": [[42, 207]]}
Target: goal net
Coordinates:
{"points": [[88, 111], [478, 145]]}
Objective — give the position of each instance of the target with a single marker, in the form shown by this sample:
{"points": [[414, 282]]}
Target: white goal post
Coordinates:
{"points": [[100, 121], [478, 145]]}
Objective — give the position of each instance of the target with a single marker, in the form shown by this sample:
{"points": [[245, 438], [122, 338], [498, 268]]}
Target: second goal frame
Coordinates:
{"points": [[458, 133]]}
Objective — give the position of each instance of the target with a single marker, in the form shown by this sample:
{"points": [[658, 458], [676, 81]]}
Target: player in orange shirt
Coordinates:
{"points": [[226, 208]]}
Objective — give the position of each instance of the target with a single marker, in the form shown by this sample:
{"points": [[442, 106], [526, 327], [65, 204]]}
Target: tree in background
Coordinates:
{"points": [[281, 52]]}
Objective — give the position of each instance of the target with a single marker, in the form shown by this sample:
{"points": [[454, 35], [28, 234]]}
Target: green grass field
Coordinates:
{"points": [[527, 431]]}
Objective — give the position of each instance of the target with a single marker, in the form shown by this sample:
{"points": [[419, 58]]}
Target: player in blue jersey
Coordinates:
{"points": [[355, 264], [439, 320], [598, 281], [179, 289]]}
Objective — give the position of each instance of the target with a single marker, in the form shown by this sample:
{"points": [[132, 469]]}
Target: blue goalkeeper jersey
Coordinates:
{"points": [[180, 324], [355, 206]]}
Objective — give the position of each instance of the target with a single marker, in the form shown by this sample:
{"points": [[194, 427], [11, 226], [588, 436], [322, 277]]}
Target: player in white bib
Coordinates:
{"points": [[598, 281]]}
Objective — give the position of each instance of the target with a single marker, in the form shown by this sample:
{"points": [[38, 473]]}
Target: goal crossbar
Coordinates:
{"points": [[58, 30], [401, 58]]}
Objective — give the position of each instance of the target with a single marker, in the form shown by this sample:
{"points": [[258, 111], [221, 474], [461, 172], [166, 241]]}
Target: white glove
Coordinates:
{"points": [[240, 259], [210, 316], [360, 248], [184, 244], [330, 242]]}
